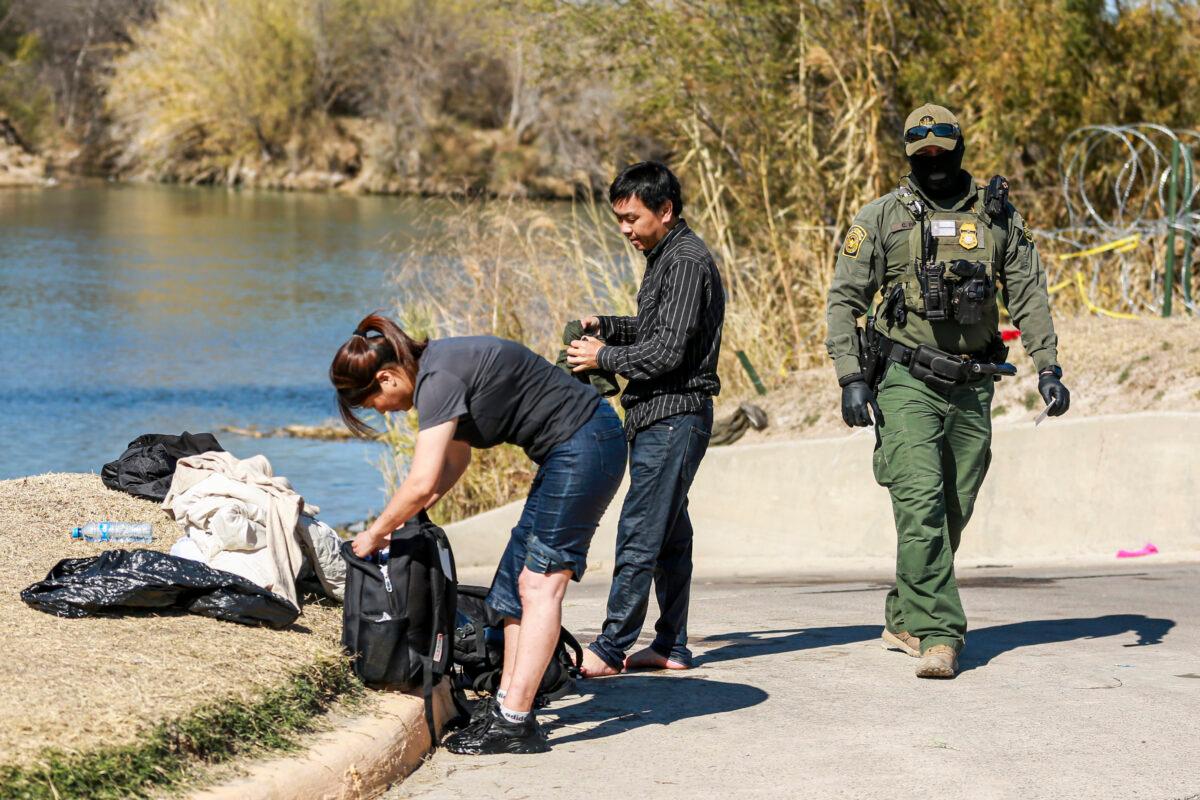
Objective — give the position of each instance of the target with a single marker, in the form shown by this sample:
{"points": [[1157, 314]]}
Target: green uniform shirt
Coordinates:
{"points": [[878, 252]]}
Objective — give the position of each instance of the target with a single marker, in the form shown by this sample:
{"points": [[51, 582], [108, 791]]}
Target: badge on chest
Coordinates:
{"points": [[967, 232], [968, 239]]}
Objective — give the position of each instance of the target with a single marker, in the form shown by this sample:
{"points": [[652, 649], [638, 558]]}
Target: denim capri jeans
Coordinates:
{"points": [[570, 493]]}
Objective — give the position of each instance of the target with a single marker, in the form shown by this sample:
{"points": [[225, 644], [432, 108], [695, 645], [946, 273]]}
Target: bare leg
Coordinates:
{"points": [[512, 637], [541, 621]]}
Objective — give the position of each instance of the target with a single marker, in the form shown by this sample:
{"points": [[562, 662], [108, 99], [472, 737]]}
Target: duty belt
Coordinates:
{"points": [[941, 370]]}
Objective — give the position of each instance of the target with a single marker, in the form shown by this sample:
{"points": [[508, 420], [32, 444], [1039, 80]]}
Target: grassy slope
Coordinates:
{"points": [[114, 706]]}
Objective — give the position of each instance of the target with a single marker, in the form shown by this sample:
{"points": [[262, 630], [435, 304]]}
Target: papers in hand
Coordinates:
{"points": [[1045, 412]]}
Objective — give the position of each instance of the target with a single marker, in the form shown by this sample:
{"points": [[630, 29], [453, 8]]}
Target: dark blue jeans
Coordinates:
{"points": [[571, 491], [654, 539]]}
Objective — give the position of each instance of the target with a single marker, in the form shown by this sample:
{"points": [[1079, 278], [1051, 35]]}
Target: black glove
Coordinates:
{"points": [[856, 397], [1051, 388]]}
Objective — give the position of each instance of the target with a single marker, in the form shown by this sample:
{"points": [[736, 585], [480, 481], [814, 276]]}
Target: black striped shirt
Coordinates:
{"points": [[669, 350]]}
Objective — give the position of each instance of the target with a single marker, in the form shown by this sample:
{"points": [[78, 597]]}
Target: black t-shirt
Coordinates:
{"points": [[500, 392]]}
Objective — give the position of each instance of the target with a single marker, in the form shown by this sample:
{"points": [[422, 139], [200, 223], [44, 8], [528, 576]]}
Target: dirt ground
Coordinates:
{"points": [[78, 684], [1111, 367]]}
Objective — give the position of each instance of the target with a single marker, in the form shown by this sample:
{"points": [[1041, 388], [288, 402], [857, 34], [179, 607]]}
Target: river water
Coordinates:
{"points": [[149, 309]]}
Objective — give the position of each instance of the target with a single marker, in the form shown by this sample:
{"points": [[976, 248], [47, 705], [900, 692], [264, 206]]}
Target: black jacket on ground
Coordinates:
{"points": [[147, 466]]}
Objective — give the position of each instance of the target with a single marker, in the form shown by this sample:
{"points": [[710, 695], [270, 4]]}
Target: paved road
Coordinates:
{"points": [[1076, 684]]}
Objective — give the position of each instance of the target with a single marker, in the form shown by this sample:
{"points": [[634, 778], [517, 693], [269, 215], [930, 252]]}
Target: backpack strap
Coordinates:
{"points": [[427, 695], [486, 682], [565, 638], [445, 597], [431, 660]]}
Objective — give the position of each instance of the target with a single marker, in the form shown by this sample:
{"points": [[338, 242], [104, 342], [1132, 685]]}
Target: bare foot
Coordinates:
{"points": [[649, 659], [594, 666]]}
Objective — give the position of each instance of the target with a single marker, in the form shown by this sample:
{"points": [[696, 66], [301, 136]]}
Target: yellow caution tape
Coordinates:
{"points": [[1095, 309], [1078, 280], [1058, 287], [1123, 245]]}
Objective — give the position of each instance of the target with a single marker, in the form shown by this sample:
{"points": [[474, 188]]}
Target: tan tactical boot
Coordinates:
{"points": [[903, 641], [939, 661]]}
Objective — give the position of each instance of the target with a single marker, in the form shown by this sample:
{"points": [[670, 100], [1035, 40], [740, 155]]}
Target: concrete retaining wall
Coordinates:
{"points": [[1071, 488]]}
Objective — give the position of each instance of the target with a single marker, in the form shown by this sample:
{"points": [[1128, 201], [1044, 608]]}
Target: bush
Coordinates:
{"points": [[28, 103], [211, 82], [457, 96]]}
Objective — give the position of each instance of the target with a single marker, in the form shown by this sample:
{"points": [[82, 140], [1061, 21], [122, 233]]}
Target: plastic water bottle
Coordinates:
{"points": [[114, 532]]}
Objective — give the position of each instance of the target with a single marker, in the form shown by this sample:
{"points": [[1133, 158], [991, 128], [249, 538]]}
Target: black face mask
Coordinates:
{"points": [[940, 175]]}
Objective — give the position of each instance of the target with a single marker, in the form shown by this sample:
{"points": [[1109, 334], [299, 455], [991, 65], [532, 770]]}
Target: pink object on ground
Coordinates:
{"points": [[1148, 550]]}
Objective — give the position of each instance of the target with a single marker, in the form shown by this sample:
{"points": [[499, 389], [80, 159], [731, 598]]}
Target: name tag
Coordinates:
{"points": [[942, 227]]}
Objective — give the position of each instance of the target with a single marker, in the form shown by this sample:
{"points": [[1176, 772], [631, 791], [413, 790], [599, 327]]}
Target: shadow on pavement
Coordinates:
{"points": [[985, 644], [748, 644], [627, 702]]}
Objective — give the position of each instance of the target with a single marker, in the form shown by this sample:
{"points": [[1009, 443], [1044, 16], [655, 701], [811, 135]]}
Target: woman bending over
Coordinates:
{"points": [[479, 392]]}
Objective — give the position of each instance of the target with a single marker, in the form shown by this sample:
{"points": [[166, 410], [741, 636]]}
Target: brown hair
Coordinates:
{"points": [[377, 343]]}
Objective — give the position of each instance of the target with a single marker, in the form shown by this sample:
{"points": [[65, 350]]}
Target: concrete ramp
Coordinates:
{"points": [[1071, 488]]}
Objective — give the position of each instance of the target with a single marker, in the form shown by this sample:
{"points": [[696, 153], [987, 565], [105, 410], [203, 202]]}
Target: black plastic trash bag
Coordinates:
{"points": [[120, 581], [147, 466]]}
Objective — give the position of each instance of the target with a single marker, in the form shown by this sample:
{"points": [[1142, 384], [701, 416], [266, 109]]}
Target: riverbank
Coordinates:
{"points": [[114, 706], [351, 156], [19, 165]]}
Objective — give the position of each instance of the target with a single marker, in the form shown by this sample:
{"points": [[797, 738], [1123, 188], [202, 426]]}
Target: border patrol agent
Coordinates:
{"points": [[935, 250]]}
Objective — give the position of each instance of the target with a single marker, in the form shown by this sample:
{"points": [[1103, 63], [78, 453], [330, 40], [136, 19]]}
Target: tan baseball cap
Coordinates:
{"points": [[929, 115]]}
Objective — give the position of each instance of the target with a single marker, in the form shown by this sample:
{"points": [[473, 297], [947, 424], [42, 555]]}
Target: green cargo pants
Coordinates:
{"points": [[932, 454]]}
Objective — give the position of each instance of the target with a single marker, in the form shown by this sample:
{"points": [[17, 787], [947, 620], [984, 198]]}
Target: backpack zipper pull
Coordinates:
{"points": [[387, 581]]}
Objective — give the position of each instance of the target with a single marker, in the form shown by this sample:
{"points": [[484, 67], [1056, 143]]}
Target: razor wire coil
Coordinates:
{"points": [[1116, 183]]}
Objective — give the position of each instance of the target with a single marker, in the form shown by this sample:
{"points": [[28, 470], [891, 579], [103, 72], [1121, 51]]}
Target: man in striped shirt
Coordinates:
{"points": [[668, 353]]}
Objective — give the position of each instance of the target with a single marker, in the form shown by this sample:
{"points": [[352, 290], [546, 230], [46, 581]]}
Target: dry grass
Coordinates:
{"points": [[102, 682], [1110, 366], [515, 270]]}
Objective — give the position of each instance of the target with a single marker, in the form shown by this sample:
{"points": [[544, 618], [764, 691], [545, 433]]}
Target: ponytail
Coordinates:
{"points": [[377, 343]]}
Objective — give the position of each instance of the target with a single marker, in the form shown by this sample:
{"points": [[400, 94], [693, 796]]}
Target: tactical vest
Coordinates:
{"points": [[959, 273]]}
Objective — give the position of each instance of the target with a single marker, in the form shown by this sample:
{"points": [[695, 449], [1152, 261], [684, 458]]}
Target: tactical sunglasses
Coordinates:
{"points": [[944, 130]]}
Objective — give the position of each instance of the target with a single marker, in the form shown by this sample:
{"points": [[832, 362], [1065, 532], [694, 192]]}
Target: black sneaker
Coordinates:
{"points": [[497, 735], [471, 730], [483, 709]]}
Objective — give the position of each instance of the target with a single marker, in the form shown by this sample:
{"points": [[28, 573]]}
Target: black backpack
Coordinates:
{"points": [[398, 617], [479, 651]]}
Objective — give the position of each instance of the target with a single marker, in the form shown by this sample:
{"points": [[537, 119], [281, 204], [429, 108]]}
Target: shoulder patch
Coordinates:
{"points": [[854, 239], [1028, 233]]}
